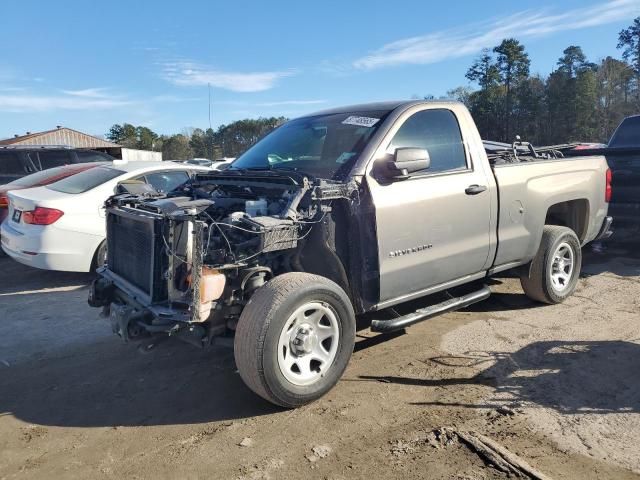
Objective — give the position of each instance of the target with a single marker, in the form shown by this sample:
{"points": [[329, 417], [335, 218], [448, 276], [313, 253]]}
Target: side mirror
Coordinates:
{"points": [[406, 161]]}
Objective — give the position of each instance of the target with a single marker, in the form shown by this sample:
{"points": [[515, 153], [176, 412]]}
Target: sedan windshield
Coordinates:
{"points": [[324, 146]]}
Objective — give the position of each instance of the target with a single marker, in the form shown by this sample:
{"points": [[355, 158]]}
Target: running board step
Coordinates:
{"points": [[387, 326]]}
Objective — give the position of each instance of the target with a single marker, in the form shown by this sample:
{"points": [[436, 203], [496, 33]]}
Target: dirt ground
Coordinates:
{"points": [[557, 385]]}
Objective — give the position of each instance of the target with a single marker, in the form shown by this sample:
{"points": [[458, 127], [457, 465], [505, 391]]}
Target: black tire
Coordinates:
{"points": [[100, 257], [259, 329], [537, 281]]}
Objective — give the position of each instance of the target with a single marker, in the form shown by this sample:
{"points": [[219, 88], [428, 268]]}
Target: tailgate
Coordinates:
{"points": [[626, 177]]}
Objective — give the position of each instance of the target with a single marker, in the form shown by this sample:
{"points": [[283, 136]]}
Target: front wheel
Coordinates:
{"points": [[554, 272], [100, 257], [294, 338]]}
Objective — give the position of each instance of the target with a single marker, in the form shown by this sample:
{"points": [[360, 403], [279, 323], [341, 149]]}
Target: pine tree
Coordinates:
{"points": [[614, 78], [586, 101], [484, 103], [629, 41], [513, 65]]}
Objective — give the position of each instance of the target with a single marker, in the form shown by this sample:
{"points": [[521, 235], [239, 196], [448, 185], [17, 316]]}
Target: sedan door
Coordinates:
{"points": [[433, 227]]}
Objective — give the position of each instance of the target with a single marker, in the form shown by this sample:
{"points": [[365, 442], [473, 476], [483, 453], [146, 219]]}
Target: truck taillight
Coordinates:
{"points": [[42, 216], [4, 201], [608, 190]]}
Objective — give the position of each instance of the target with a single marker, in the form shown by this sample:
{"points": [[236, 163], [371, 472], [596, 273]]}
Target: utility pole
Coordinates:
{"points": [[209, 87]]}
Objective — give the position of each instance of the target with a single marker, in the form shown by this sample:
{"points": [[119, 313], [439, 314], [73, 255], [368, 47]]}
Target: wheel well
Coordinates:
{"points": [[573, 214]]}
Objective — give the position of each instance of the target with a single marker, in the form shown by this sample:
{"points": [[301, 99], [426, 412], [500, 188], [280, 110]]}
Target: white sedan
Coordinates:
{"points": [[62, 226]]}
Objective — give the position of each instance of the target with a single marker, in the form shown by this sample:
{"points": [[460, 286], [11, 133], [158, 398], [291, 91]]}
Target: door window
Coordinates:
{"points": [[54, 158], [438, 132], [166, 181]]}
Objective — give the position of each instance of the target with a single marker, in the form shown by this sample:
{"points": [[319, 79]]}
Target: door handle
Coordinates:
{"points": [[475, 189]]}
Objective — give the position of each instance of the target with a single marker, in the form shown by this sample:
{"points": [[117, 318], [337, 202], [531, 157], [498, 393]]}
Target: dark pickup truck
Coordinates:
{"points": [[623, 156], [19, 161]]}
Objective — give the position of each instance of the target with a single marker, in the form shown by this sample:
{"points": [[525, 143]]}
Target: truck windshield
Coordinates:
{"points": [[324, 146]]}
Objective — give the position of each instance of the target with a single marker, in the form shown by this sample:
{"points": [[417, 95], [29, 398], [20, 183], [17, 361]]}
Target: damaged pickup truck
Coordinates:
{"points": [[344, 214]]}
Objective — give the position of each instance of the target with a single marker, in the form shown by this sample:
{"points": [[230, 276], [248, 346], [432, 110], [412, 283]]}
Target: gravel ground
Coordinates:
{"points": [[570, 368], [557, 386]]}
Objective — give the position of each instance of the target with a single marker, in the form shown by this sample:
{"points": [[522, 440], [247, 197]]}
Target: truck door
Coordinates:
{"points": [[432, 227]]}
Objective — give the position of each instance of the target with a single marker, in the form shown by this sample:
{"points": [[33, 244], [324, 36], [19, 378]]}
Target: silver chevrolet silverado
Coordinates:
{"points": [[345, 214]]}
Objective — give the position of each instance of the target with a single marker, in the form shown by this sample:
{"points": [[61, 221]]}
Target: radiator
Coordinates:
{"points": [[136, 252]]}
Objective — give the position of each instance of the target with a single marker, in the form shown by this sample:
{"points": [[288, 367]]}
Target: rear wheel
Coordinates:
{"points": [[554, 272], [294, 338]]}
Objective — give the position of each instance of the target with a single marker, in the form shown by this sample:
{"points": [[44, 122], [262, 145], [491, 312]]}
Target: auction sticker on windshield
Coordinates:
{"points": [[360, 121]]}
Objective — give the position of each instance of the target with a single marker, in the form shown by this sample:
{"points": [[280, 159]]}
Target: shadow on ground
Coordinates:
{"points": [[619, 258], [74, 372], [111, 384], [502, 301], [569, 377], [15, 277]]}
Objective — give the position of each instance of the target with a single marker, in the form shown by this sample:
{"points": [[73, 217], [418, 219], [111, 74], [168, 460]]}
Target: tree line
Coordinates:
{"points": [[579, 101], [227, 141]]}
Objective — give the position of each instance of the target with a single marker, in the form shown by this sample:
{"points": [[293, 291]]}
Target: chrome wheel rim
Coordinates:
{"points": [[308, 343], [562, 267]]}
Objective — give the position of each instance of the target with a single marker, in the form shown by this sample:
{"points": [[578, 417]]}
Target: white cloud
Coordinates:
{"points": [[437, 46], [25, 103], [12, 89], [22, 100], [88, 92], [185, 73]]}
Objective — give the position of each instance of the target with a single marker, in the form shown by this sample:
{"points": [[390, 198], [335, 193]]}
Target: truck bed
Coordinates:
{"points": [[524, 205]]}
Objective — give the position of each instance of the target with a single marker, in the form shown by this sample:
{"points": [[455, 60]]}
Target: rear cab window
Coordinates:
{"points": [[85, 181], [54, 158], [627, 134]]}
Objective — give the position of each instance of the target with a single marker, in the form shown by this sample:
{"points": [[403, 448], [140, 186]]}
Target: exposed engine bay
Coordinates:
{"points": [[194, 257]]}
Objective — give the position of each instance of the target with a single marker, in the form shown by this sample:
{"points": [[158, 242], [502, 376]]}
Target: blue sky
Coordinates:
{"points": [[88, 65]]}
